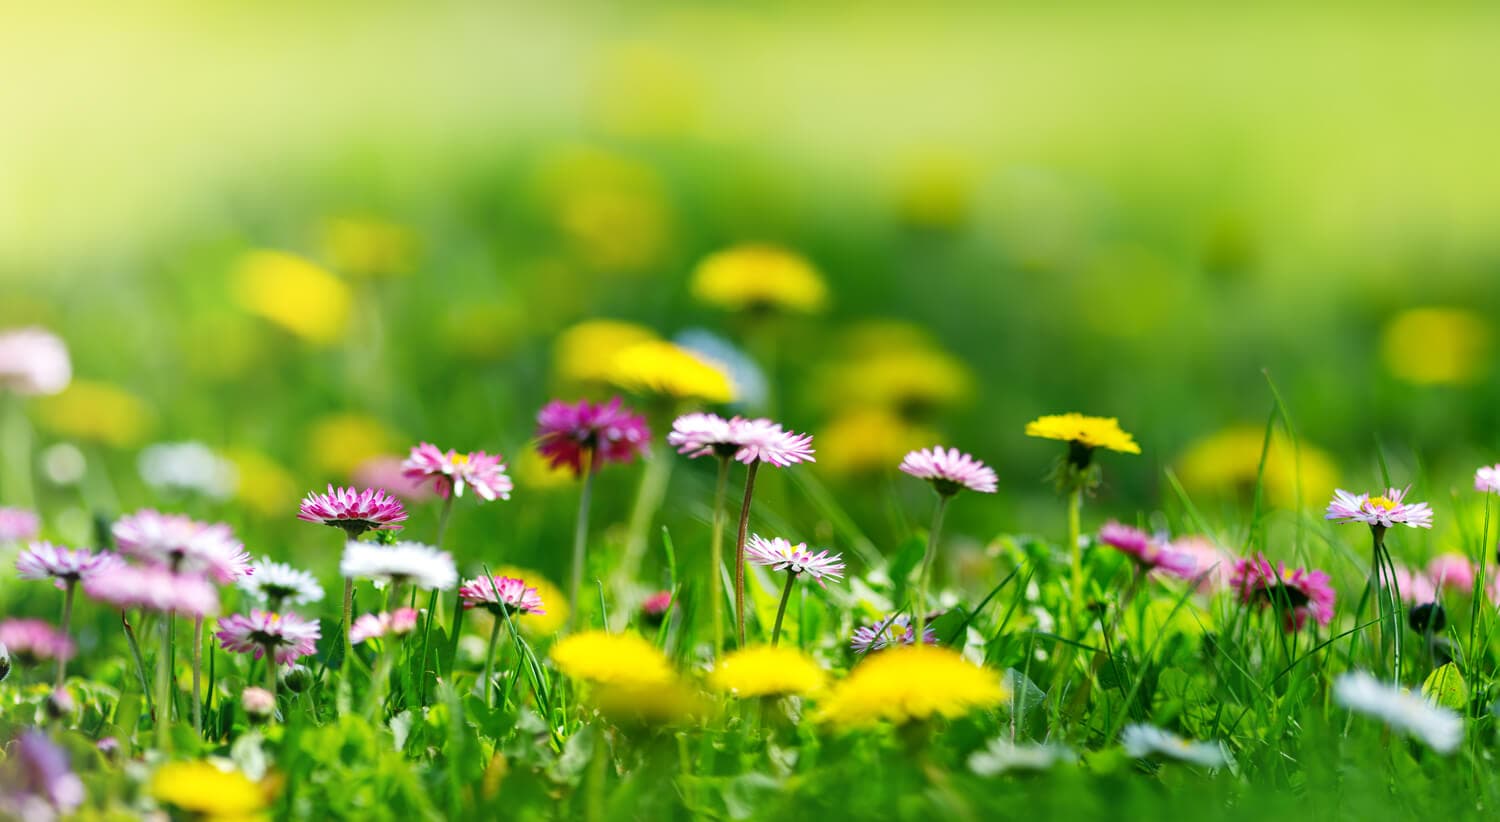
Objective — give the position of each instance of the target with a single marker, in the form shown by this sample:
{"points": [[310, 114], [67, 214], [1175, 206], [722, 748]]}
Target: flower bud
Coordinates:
{"points": [[259, 703], [296, 678]]}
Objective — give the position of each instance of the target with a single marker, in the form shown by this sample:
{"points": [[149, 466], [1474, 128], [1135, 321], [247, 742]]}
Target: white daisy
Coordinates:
{"points": [[277, 584], [1440, 728], [1002, 756], [1142, 741], [404, 562]]}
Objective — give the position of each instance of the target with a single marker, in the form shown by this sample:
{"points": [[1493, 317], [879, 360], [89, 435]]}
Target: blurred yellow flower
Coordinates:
{"points": [[340, 442], [660, 702], [586, 352], [97, 412], [294, 294], [935, 191], [1091, 432], [1226, 463], [366, 247], [535, 473], [868, 440], [208, 792], [556, 603], [661, 368], [911, 683], [912, 382], [758, 277], [611, 208], [768, 671], [1436, 346], [612, 659], [264, 485]]}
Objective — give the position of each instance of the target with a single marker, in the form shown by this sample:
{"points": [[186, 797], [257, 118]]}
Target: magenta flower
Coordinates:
{"points": [[182, 544], [1487, 479], [1305, 593], [18, 524], [399, 622], [287, 637], [388, 472], [36, 782], [893, 630], [609, 432], [1212, 565], [781, 555], [950, 470], [32, 640], [500, 594], [352, 510], [43, 560], [764, 441], [656, 605], [1452, 572], [1147, 552], [452, 471], [1416, 587], [700, 435], [1381, 512], [155, 588], [33, 361]]}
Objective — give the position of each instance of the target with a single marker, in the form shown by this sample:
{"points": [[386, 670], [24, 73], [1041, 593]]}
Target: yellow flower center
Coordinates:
{"points": [[460, 459], [1382, 503]]}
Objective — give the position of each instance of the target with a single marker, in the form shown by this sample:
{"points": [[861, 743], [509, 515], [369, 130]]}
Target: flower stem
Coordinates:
{"points": [[164, 683], [924, 576], [271, 675], [648, 501], [1075, 516], [67, 617], [198, 674], [716, 555], [786, 594], [140, 663], [489, 662], [581, 536], [739, 554], [346, 624]]}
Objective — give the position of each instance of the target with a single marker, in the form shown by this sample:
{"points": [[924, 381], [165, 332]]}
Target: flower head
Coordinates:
{"points": [[1143, 741], [654, 608], [287, 635], [893, 630], [32, 640], [761, 440], [1301, 592], [1416, 587], [400, 563], [17, 524], [768, 671], [911, 683], [36, 782], [609, 432], [451, 472], [1003, 756], [1146, 551], [33, 361], [699, 435], [277, 584], [206, 791], [1212, 565], [612, 659], [43, 560], [352, 510], [1380, 511], [1487, 479], [584, 353], [1452, 571], [1084, 432], [781, 555], [538, 623], [660, 368], [759, 278], [1439, 728], [498, 594], [399, 622], [155, 588], [950, 470], [182, 544]]}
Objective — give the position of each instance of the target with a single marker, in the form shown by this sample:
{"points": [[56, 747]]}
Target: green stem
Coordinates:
{"points": [[198, 675], [581, 536], [164, 684], [67, 617], [925, 575], [716, 555], [739, 554], [648, 501], [1075, 516], [348, 607], [786, 594], [489, 662], [432, 602], [271, 676], [140, 663]]}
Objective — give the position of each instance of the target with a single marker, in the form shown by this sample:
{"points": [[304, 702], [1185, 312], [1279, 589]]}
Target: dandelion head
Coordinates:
{"points": [[205, 790], [759, 278], [1083, 433], [768, 671], [663, 369], [911, 683]]}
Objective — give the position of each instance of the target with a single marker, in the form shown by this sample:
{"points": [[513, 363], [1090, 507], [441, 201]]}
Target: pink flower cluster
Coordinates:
{"points": [[570, 433], [746, 440], [451, 472], [1300, 592]]}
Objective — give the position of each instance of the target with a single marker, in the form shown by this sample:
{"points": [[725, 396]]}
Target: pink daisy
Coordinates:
{"points": [[1487, 479], [32, 640], [699, 435], [609, 431], [17, 524], [761, 440], [1308, 593], [452, 471], [1148, 553], [388, 472], [1382, 512], [34, 361], [781, 555], [287, 636], [182, 544], [399, 622], [1416, 587], [155, 588], [498, 594], [1452, 571], [43, 560], [352, 510], [893, 630], [656, 605], [1212, 565], [949, 470]]}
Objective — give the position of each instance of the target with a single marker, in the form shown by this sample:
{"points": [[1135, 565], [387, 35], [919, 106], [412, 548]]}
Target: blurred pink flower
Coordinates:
{"points": [[182, 544], [34, 361], [1146, 551], [33, 640], [388, 472], [608, 431], [155, 588], [18, 524], [1452, 571], [496, 593], [43, 560], [1305, 593]]}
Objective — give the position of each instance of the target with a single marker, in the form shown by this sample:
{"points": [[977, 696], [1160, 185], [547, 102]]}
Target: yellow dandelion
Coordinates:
{"points": [[1089, 432], [912, 381], [340, 442], [586, 352], [98, 412], [611, 208], [535, 473], [265, 486], [654, 703], [1436, 346], [612, 659], [663, 369], [207, 791], [1226, 463], [911, 683], [367, 247], [293, 293], [557, 604], [768, 671], [868, 440], [757, 277]]}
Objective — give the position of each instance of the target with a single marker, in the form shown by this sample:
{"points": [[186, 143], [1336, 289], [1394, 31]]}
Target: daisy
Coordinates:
{"points": [[155, 588], [499, 594], [893, 630], [34, 361], [1439, 728], [32, 640], [399, 563], [1143, 741], [1381, 511], [451, 471], [1452, 571], [1212, 565], [1146, 552], [764, 441], [781, 555], [277, 583], [700, 435], [570, 434], [1305, 593], [352, 510], [949, 470], [182, 544], [287, 637], [191, 467], [1487, 479], [399, 622], [43, 560], [17, 524], [1004, 756]]}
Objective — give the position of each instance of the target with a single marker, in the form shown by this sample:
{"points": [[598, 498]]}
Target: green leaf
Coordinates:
{"points": [[1446, 687]]}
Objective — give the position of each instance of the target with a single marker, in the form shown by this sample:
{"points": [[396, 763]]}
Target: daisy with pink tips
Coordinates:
{"points": [[353, 510], [583, 433], [498, 594], [65, 566], [764, 441], [1148, 553], [399, 623], [154, 588], [1487, 479], [950, 470], [182, 544], [32, 640], [286, 637], [893, 630], [18, 524], [701, 434], [795, 559], [1297, 593], [450, 472], [1379, 511]]}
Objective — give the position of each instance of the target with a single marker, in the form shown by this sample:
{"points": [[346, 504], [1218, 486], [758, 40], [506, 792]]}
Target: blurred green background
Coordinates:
{"points": [[1017, 210]]}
